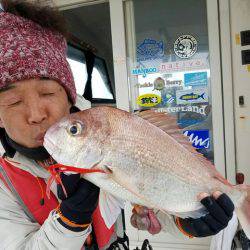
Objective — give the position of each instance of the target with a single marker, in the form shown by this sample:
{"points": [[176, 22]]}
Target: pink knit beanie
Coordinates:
{"points": [[28, 51]]}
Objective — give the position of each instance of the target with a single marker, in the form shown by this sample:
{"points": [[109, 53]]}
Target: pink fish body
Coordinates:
{"points": [[146, 161]]}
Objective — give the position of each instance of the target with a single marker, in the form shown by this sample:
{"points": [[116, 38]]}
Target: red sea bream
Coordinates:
{"points": [[146, 161]]}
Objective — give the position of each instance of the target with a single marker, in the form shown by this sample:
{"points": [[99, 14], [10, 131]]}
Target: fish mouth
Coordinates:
{"points": [[51, 147]]}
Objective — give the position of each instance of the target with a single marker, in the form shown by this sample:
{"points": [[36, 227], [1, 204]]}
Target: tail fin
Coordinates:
{"points": [[243, 211], [202, 96]]}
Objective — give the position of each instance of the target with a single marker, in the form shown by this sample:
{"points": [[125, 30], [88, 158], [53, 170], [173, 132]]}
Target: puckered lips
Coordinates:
{"points": [[40, 137]]}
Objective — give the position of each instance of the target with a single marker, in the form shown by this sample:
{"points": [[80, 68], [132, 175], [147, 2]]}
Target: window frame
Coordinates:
{"points": [[97, 100]]}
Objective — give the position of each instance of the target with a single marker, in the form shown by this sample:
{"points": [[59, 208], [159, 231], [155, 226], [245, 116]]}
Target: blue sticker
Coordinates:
{"points": [[150, 49], [199, 138], [167, 100], [195, 79], [185, 122], [195, 95], [144, 71], [170, 98]]}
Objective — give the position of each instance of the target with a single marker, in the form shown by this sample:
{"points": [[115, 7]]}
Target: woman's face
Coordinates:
{"points": [[28, 108]]}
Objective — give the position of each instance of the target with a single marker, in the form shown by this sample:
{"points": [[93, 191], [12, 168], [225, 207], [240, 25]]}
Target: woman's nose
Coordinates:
{"points": [[36, 112]]}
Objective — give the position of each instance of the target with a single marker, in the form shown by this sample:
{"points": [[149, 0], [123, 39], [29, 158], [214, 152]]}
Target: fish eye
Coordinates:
{"points": [[75, 128]]}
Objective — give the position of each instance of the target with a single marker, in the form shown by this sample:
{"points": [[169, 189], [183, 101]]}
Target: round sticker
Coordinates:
{"points": [[148, 100], [159, 83], [185, 46]]}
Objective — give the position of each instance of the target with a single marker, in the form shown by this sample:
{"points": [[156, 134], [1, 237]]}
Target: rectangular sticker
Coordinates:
{"points": [[237, 39], [195, 79], [199, 95], [187, 65], [199, 138]]}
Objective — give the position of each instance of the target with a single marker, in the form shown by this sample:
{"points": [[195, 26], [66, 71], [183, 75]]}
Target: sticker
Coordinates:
{"points": [[199, 138], [148, 100], [187, 65], [237, 39], [159, 83], [192, 96], [144, 85], [170, 98], [185, 46], [185, 122], [150, 49], [171, 84], [195, 109], [144, 71], [195, 79]]}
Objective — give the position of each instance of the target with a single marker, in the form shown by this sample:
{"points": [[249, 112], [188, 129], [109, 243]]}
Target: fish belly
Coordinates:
{"points": [[144, 185], [109, 185]]}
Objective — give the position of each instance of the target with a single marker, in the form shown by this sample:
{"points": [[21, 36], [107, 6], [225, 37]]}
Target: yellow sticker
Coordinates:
{"points": [[237, 39], [148, 100], [248, 67]]}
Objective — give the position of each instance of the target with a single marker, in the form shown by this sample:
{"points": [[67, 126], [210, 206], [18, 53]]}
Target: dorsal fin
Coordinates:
{"points": [[168, 124]]}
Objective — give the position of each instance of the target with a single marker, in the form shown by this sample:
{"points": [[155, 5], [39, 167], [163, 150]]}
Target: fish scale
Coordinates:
{"points": [[156, 151]]}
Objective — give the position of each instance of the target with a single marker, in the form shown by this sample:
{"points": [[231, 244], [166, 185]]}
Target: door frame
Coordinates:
{"points": [[121, 73], [216, 85], [228, 90]]}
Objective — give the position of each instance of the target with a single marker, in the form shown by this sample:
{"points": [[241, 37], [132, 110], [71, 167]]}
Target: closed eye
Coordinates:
{"points": [[48, 94], [14, 103]]}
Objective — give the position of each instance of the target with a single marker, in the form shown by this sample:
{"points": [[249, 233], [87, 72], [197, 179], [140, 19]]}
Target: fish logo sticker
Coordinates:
{"points": [[185, 46], [148, 100], [150, 49], [192, 96], [199, 138]]}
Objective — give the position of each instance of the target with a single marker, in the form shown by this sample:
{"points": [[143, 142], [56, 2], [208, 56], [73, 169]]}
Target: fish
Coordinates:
{"points": [[150, 48], [192, 96], [144, 159]]}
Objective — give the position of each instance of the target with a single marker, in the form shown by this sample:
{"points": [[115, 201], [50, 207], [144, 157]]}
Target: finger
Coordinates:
{"points": [[217, 194], [201, 196], [226, 204], [215, 210], [85, 191], [70, 183], [196, 227], [84, 196], [213, 224], [86, 185]]}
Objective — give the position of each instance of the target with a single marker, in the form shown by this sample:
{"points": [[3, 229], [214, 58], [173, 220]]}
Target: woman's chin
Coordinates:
{"points": [[37, 144]]}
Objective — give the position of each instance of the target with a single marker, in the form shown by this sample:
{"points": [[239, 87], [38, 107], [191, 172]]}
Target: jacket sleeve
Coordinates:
{"points": [[18, 232], [168, 225]]}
